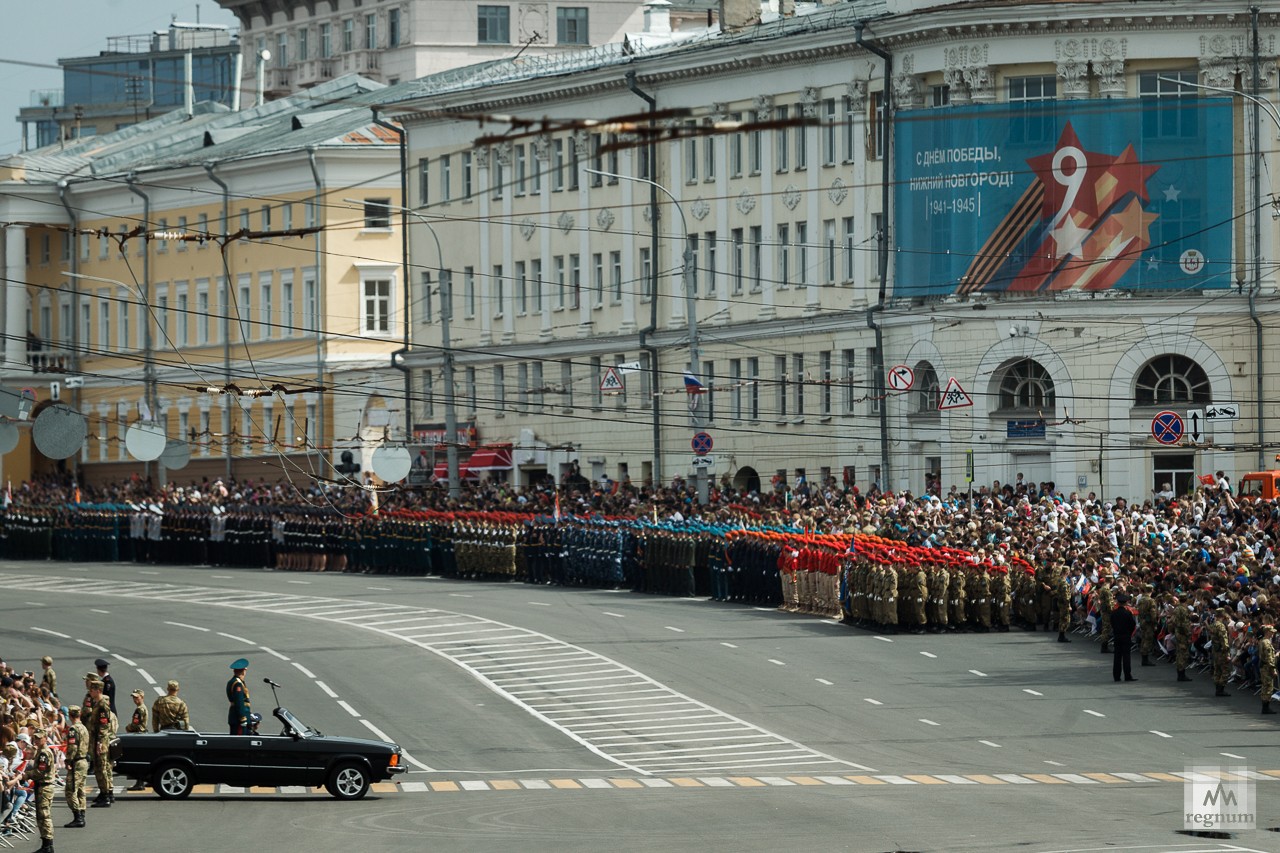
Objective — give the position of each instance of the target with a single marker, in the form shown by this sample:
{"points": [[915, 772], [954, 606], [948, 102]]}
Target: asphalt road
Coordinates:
{"points": [[557, 719]]}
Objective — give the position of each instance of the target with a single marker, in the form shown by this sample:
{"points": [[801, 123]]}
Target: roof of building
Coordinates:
{"points": [[332, 114]]}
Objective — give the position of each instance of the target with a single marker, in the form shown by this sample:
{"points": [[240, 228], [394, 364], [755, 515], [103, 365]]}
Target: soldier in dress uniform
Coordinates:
{"points": [[77, 757], [238, 698]]}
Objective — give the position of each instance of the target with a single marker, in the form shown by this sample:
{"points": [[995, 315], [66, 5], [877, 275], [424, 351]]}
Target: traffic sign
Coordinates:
{"points": [[1166, 427], [630, 367], [611, 382], [1195, 425], [704, 463], [1222, 412], [702, 443], [954, 397], [901, 378]]}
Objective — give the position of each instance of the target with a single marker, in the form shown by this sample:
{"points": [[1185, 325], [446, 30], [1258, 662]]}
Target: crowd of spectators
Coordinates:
{"points": [[27, 705]]}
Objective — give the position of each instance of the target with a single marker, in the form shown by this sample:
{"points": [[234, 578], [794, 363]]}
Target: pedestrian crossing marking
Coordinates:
{"points": [[704, 783]]}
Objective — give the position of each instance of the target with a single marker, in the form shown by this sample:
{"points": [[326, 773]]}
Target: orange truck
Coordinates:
{"points": [[1259, 485]]}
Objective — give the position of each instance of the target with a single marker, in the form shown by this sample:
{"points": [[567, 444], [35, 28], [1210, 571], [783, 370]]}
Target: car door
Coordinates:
{"points": [[223, 759], [284, 760]]}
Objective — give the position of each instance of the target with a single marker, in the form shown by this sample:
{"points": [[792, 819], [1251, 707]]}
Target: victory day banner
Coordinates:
{"points": [[1050, 196]]}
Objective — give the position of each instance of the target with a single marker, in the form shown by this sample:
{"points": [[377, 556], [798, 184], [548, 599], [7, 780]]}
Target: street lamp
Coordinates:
{"points": [[1259, 103], [446, 313], [688, 278]]}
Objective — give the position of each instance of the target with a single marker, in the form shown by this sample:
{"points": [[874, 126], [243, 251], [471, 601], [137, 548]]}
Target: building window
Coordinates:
{"points": [[566, 385], [830, 249], [784, 255], [348, 35], [500, 389], [282, 50], [597, 279], [1170, 380], [104, 326], [1038, 88], [393, 27], [310, 304], [499, 291], [575, 279], [709, 244], [875, 381], [755, 154], [753, 390], [202, 313], [646, 274], [735, 150], [940, 96], [1025, 384], [470, 380], [466, 174], [846, 371], [1158, 124], [615, 276], [377, 213], [469, 290], [304, 52], [802, 143], [597, 373], [535, 276], [424, 181], [879, 127], [798, 380], [826, 378], [266, 305], [377, 306], [446, 174], [802, 253], [326, 41], [184, 317], [690, 152], [780, 383], [927, 393], [736, 259], [849, 254], [522, 288], [371, 31], [756, 256], [829, 128], [571, 25], [493, 25], [781, 139], [557, 165]]}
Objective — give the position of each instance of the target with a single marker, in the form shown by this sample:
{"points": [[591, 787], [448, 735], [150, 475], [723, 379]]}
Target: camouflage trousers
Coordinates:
{"points": [[102, 769], [44, 811], [1182, 650], [1148, 639], [1268, 674], [76, 771], [1221, 667]]}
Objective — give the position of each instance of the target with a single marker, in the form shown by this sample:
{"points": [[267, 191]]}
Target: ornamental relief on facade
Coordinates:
{"points": [[533, 21], [700, 208], [527, 227], [604, 219], [565, 222], [746, 202], [837, 192]]}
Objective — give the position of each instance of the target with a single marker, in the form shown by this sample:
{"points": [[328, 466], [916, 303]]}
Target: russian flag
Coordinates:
{"points": [[692, 384]]}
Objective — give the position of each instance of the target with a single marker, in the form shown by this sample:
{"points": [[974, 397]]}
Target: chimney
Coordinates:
{"points": [[738, 14], [657, 17]]}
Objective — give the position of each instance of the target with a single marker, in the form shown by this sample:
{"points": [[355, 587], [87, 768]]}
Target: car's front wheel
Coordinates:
{"points": [[348, 781], [172, 780]]}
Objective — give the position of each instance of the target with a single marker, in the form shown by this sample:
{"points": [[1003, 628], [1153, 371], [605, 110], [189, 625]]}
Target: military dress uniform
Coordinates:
{"points": [[77, 756], [238, 696]]}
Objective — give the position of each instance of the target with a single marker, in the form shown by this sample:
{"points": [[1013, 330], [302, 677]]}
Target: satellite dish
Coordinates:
{"points": [[392, 464], [59, 431], [8, 436], [145, 441], [177, 453]]}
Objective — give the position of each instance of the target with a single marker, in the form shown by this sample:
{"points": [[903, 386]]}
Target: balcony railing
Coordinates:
{"points": [[49, 361]]}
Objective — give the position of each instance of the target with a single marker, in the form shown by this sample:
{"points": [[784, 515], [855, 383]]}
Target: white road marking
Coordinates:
{"points": [[461, 595], [886, 639], [379, 588], [148, 573], [823, 681], [78, 568], [273, 652], [352, 711], [237, 639], [160, 691], [1232, 755], [34, 603], [1032, 692], [52, 633], [1054, 763], [326, 689], [614, 615], [308, 673], [146, 676], [978, 673], [989, 743], [673, 628], [1093, 713], [929, 722], [729, 645], [185, 625], [1160, 733], [873, 701], [96, 610], [929, 654], [124, 660], [776, 662], [300, 582], [539, 603], [221, 577], [92, 645]]}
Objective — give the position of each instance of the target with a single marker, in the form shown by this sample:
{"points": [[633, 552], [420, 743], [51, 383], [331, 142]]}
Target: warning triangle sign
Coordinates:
{"points": [[954, 397], [612, 380]]}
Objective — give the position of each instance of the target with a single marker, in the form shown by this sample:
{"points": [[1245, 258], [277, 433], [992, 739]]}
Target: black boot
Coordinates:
{"points": [[1146, 661], [1266, 708], [77, 820], [105, 803], [1062, 637], [1220, 690], [46, 845], [1182, 675]]}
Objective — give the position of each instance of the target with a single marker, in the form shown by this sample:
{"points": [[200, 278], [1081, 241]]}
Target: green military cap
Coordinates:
{"points": [[47, 660], [74, 710]]}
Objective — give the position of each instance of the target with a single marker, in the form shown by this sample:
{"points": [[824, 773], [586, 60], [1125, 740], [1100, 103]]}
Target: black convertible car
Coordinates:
{"points": [[174, 762]]}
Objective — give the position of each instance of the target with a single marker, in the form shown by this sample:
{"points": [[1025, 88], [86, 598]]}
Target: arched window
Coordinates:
{"points": [[1027, 385], [1170, 379], [927, 393]]}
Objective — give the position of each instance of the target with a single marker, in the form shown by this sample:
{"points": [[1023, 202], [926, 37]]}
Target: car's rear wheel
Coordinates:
{"points": [[172, 780], [348, 781]]}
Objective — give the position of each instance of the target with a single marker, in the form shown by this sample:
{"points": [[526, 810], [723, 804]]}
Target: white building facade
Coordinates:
{"points": [[1075, 273]]}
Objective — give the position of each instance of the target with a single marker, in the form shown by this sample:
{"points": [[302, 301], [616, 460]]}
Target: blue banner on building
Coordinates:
{"points": [[1052, 196]]}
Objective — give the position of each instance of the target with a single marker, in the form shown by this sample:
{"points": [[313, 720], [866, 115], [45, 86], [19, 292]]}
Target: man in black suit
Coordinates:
{"points": [[1123, 624]]}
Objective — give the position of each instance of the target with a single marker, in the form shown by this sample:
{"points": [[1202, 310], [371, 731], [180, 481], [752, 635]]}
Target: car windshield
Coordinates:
{"points": [[294, 726]]}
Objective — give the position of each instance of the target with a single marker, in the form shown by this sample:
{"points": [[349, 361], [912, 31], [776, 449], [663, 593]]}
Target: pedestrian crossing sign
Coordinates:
{"points": [[954, 397], [611, 382]]}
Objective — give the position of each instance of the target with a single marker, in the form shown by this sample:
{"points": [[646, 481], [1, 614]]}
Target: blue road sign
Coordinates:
{"points": [[1167, 427]]}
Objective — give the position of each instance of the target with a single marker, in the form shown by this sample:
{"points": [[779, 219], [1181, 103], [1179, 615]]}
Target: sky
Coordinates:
{"points": [[69, 28]]}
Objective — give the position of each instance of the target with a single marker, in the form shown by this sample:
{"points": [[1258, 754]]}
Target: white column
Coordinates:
{"points": [[15, 300]]}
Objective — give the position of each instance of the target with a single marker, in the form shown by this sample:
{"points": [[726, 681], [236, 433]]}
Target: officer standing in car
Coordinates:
{"points": [[238, 696]]}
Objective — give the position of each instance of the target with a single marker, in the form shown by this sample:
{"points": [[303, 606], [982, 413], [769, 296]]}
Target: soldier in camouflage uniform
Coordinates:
{"points": [[1181, 623], [101, 724], [1062, 595], [1104, 604], [1267, 666], [77, 744], [43, 771], [1220, 647], [169, 711], [1147, 624]]}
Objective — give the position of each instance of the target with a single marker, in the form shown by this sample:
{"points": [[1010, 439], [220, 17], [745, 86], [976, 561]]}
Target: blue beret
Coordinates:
{"points": [[241, 663]]}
